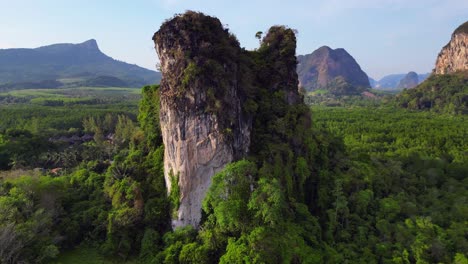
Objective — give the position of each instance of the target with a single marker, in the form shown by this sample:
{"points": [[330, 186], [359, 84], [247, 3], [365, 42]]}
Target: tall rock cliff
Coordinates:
{"points": [[454, 56], [328, 68], [409, 81], [207, 101]]}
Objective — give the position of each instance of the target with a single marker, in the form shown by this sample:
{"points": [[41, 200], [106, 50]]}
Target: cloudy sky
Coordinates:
{"points": [[384, 36]]}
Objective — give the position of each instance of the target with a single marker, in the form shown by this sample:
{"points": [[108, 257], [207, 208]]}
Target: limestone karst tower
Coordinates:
{"points": [[208, 83], [200, 115]]}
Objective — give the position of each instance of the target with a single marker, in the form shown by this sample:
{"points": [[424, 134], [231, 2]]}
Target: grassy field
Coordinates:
{"points": [[319, 92], [73, 92], [71, 96]]}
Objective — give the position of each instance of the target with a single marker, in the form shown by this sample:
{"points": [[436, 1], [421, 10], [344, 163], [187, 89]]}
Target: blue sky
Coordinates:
{"points": [[384, 36]]}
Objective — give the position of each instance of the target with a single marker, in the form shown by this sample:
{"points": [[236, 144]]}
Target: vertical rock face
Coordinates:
{"points": [[454, 56], [208, 97], [201, 118]]}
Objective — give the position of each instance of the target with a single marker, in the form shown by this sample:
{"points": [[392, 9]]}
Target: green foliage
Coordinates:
{"points": [[88, 255], [460, 259], [49, 131], [149, 115], [252, 205], [30, 207], [391, 198], [228, 196], [72, 97], [339, 86], [174, 194], [439, 93], [190, 73], [19, 147], [150, 244], [267, 202], [174, 244], [194, 253], [119, 207], [377, 131], [135, 185], [392, 207]]}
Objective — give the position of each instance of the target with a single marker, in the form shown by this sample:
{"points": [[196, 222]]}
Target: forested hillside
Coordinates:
{"points": [[441, 93]]}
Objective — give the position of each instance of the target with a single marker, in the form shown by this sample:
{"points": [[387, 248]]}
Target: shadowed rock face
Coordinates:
{"points": [[207, 78], [454, 56]]}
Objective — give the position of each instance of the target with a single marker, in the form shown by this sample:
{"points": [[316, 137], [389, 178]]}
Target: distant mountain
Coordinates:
{"points": [[390, 82], [81, 63], [334, 70], [409, 81]]}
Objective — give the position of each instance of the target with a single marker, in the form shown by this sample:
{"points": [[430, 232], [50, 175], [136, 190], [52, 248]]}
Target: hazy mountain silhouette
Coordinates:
{"points": [[83, 62], [391, 81]]}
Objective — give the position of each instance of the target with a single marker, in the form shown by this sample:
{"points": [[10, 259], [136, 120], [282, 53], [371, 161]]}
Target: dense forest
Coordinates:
{"points": [[387, 185]]}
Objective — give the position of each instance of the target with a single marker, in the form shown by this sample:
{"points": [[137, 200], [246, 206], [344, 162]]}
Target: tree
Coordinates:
{"points": [[229, 194]]}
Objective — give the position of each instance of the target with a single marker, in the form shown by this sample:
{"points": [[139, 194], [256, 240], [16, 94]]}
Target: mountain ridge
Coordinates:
{"points": [[391, 81], [67, 60], [331, 69]]}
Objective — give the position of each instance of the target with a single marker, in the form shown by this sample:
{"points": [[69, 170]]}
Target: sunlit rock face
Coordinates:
{"points": [[454, 56]]}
